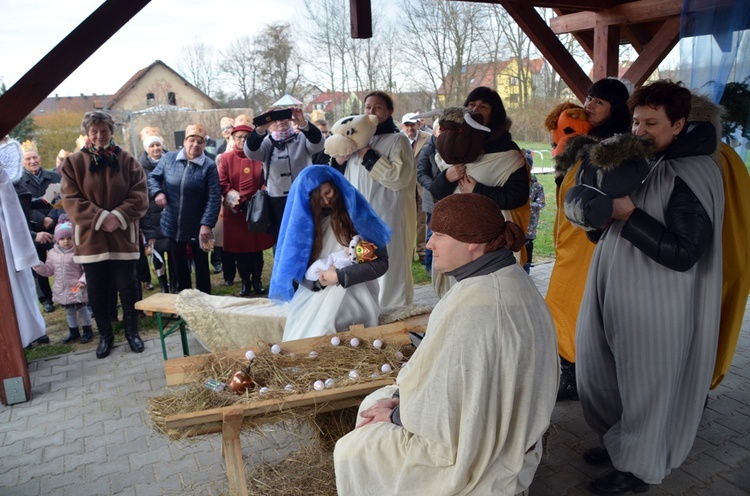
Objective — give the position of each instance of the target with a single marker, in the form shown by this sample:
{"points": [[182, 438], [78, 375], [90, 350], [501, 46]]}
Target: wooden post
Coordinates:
{"points": [[12, 357], [232, 450]]}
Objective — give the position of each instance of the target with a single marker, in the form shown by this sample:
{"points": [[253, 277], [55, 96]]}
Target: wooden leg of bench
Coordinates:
{"points": [[232, 451]]}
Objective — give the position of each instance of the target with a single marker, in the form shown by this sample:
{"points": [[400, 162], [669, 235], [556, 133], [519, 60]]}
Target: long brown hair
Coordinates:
{"points": [[341, 223]]}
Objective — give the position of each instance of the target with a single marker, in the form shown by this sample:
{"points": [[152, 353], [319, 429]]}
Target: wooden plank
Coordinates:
{"points": [[627, 13], [232, 450], [360, 13], [42, 79], [654, 52], [606, 51], [279, 405], [177, 370], [12, 357], [550, 47], [158, 302]]}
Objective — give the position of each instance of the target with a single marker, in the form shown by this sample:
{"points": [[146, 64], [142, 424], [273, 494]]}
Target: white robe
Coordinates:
{"points": [[20, 256], [333, 309], [390, 187], [475, 399]]}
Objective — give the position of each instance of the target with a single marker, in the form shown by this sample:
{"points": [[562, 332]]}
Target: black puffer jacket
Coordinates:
{"points": [[193, 194], [37, 186], [150, 223]]}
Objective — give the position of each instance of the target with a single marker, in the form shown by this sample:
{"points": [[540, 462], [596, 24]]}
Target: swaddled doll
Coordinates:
{"points": [[358, 251], [612, 168]]}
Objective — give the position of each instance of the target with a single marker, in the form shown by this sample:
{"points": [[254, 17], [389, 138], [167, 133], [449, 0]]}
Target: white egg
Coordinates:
{"points": [[263, 390], [250, 355], [386, 368], [276, 349], [354, 375], [289, 387], [375, 375], [329, 383], [335, 341], [319, 385], [313, 354], [354, 342], [377, 344], [399, 355]]}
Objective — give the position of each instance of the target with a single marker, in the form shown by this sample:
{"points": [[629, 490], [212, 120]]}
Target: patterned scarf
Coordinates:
{"points": [[283, 135], [102, 157]]}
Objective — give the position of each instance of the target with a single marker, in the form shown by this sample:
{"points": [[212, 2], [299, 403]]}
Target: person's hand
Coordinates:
{"points": [[379, 412], [328, 277], [361, 152], [81, 285], [298, 116], [455, 172], [263, 129], [110, 224], [161, 200], [205, 233], [466, 184], [44, 237], [151, 242], [622, 208], [47, 223]]}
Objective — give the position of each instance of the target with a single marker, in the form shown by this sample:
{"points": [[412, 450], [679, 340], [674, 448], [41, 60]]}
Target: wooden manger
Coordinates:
{"points": [[229, 420]]}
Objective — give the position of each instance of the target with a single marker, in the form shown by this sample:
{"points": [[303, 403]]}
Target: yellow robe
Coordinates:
{"points": [[573, 252], [736, 252]]}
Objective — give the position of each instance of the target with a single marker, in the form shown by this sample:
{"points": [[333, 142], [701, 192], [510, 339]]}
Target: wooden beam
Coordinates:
{"points": [[12, 357], [556, 4], [361, 18], [550, 47], [42, 79], [654, 52], [606, 51], [637, 35], [627, 13]]}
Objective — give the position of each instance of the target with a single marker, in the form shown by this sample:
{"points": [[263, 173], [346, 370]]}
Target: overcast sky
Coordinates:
{"points": [[31, 28]]}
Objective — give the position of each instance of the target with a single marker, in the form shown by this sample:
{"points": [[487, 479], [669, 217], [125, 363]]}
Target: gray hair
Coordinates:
{"points": [[97, 117]]}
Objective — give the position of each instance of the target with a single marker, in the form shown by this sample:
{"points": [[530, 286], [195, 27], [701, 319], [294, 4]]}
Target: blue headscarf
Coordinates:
{"points": [[294, 245]]}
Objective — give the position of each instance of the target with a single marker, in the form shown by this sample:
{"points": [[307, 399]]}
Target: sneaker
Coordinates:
{"points": [[218, 268], [48, 306]]}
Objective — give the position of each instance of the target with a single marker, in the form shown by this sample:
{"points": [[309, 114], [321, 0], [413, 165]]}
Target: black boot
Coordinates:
{"points": [[105, 346], [258, 286], [74, 334], [163, 284], [88, 335], [245, 291], [568, 389], [131, 333]]}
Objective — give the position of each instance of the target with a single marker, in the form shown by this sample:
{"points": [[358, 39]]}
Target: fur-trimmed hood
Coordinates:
{"points": [[575, 150], [702, 109], [613, 152]]}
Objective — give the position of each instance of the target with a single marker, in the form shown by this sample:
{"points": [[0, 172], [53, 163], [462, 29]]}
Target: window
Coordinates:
{"points": [[150, 100], [172, 98]]}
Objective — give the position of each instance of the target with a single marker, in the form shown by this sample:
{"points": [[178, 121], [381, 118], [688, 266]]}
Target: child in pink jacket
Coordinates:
{"points": [[69, 288]]}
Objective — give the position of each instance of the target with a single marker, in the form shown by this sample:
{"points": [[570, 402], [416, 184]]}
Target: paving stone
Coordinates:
{"points": [[50, 439], [105, 440], [56, 484], [65, 449], [40, 470]]}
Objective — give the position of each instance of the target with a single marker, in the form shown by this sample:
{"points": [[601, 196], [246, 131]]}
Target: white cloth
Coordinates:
{"points": [[333, 309], [390, 187], [338, 259], [20, 256], [475, 399]]}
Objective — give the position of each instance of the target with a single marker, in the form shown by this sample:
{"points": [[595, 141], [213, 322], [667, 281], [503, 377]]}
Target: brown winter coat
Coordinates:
{"points": [[89, 197]]}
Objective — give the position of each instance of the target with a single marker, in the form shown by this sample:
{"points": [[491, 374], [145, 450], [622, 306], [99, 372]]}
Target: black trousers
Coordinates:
{"points": [[249, 265], [105, 279], [182, 266]]}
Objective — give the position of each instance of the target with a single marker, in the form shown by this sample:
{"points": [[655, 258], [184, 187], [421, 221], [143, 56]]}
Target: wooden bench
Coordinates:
{"points": [[161, 304], [228, 420]]}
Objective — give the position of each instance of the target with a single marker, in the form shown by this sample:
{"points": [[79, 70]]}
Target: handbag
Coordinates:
{"points": [[259, 209]]}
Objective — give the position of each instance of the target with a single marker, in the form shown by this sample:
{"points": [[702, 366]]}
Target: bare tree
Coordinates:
{"points": [[240, 63], [444, 35], [197, 64], [279, 65]]}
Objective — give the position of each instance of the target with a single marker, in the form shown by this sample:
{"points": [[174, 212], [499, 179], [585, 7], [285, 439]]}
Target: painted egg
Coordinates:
{"points": [[335, 341], [319, 385], [386, 368], [399, 355], [354, 375], [263, 390], [329, 383], [276, 349], [289, 387], [354, 342], [313, 354], [241, 382], [377, 344], [250, 355]]}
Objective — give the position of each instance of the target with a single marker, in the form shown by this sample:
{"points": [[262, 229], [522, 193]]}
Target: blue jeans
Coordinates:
{"points": [[428, 253]]}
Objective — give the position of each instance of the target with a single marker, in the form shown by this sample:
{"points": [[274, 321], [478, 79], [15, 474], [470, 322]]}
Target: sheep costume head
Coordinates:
{"points": [[294, 245], [565, 121], [462, 135], [350, 134]]}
